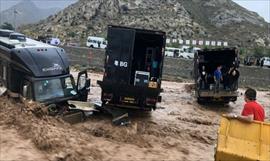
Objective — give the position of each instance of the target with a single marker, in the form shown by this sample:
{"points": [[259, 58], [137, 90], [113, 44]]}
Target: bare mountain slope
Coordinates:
{"points": [[26, 12], [201, 19]]}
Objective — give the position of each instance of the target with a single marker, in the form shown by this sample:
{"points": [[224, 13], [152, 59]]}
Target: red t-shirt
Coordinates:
{"points": [[255, 109]]}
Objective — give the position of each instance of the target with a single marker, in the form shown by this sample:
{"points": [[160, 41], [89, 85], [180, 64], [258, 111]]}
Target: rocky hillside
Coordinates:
{"points": [[26, 12], [186, 19]]}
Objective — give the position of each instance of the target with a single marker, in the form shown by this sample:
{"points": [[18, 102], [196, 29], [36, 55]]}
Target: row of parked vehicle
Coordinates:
{"points": [[253, 61], [186, 52]]}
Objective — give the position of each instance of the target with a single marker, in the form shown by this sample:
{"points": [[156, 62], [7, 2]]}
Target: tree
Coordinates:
{"points": [[267, 53], [259, 52], [71, 34], [242, 51], [7, 26]]}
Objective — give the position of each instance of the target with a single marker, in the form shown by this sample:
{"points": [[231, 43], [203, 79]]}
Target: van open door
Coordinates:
{"points": [[83, 86]]}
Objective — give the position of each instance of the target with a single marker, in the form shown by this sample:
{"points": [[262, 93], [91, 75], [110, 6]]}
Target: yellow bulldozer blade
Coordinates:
{"points": [[240, 141]]}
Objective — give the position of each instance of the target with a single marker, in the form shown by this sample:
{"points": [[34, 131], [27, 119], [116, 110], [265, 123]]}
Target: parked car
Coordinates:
{"points": [[188, 52], [96, 42], [265, 61], [55, 41], [172, 52], [250, 60]]}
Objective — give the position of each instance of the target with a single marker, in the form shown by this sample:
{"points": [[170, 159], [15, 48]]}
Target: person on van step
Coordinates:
{"points": [[252, 110], [233, 76], [218, 78], [203, 78]]}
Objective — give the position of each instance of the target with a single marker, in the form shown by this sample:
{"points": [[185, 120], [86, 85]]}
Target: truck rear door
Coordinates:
{"points": [[119, 54]]}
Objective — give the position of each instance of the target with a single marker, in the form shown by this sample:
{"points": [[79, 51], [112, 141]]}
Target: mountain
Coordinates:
{"points": [[185, 19], [25, 12]]}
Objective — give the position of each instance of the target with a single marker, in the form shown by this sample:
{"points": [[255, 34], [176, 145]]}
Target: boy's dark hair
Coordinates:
{"points": [[251, 94]]}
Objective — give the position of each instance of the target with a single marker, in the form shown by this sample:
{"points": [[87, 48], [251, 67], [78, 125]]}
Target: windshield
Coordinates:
{"points": [[54, 88]]}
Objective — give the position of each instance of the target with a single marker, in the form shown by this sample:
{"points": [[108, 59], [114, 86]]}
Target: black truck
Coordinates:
{"points": [[37, 71], [133, 68], [206, 63]]}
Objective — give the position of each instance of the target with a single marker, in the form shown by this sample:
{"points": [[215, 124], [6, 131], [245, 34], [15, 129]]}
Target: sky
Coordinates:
{"points": [[5, 4], [262, 7]]}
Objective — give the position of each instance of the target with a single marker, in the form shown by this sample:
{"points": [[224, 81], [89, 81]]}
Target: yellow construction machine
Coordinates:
{"points": [[240, 141]]}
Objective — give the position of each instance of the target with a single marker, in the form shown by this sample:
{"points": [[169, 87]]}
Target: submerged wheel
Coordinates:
{"points": [[52, 110]]}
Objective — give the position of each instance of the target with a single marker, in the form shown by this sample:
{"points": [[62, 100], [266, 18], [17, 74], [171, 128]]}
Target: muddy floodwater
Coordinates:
{"points": [[179, 129]]}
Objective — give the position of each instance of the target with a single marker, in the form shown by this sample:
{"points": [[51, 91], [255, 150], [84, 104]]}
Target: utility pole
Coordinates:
{"points": [[15, 13]]}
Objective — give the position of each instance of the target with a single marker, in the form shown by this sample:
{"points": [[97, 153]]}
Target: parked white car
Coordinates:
{"points": [[188, 52], [55, 41], [96, 42], [172, 52], [265, 62]]}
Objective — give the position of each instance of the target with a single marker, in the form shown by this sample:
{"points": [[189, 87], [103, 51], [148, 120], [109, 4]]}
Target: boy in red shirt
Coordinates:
{"points": [[252, 110]]}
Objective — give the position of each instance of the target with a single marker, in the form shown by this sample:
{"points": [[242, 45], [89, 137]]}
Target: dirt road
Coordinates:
{"points": [[179, 129]]}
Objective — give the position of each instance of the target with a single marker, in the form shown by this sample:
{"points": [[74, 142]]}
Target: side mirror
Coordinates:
{"points": [[81, 82], [25, 91]]}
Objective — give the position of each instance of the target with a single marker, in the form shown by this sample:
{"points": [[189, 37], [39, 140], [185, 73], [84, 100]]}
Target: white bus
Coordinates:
{"points": [[172, 52], [96, 42], [188, 52]]}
